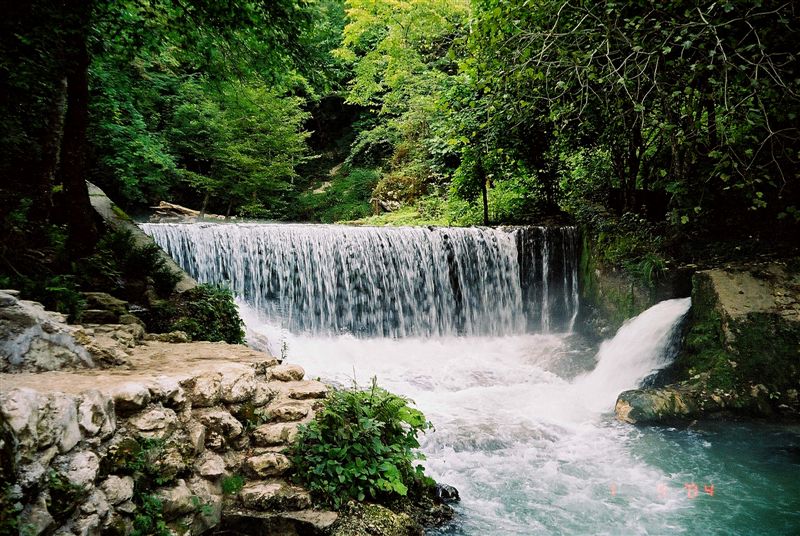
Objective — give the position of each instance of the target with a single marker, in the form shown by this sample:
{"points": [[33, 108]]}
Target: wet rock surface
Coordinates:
{"points": [[741, 350]]}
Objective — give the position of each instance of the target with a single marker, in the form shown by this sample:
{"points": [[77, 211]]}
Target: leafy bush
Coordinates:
{"points": [[118, 260], [346, 198], [149, 516], [361, 444], [629, 242], [205, 313]]}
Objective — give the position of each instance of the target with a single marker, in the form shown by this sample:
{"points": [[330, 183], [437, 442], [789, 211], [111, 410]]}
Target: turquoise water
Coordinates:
{"points": [[524, 430]]}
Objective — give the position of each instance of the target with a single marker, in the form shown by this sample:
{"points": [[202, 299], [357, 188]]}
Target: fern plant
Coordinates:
{"points": [[363, 443]]}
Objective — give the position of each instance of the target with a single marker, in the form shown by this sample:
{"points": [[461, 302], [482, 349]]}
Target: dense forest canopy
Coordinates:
{"points": [[659, 120]]}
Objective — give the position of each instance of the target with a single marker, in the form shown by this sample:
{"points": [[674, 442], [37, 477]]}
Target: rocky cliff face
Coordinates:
{"points": [[197, 427], [167, 441], [741, 352]]}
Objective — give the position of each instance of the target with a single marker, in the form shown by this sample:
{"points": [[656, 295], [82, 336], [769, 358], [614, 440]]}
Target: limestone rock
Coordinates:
{"points": [[305, 390], [105, 350], [263, 394], [176, 500], [172, 336], [210, 465], [86, 526], [221, 422], [655, 405], [196, 434], [286, 373], [80, 468], [29, 475], [204, 390], [117, 489], [20, 410], [274, 495], [155, 423], [33, 339], [129, 319], [58, 422], [268, 464], [96, 414], [290, 410], [105, 302], [209, 497], [364, 518], [313, 521], [268, 435], [238, 387], [168, 391], [36, 518], [131, 396], [96, 503]]}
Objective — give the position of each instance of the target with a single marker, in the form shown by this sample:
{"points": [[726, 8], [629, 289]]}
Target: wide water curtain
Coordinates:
{"points": [[393, 282]]}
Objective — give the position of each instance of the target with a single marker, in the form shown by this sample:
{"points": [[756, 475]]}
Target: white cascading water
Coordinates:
{"points": [[641, 346], [393, 282], [474, 326], [522, 423]]}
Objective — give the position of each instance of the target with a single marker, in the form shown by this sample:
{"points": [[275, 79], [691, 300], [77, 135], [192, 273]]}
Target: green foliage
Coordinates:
{"points": [[346, 197], [64, 496], [361, 444], [205, 313], [118, 260], [149, 518], [233, 484], [9, 516], [629, 242]]}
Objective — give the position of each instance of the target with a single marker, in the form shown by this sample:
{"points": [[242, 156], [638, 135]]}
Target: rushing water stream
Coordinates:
{"points": [[475, 326]]}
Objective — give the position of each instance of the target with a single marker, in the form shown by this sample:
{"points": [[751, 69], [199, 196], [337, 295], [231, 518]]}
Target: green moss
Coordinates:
{"points": [[757, 348], [64, 496], [233, 484], [121, 214], [611, 296]]}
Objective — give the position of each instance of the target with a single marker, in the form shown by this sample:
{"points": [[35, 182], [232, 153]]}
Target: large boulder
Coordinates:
{"points": [[33, 339], [741, 351]]}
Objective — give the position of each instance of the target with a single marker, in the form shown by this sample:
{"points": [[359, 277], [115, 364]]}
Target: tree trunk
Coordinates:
{"points": [[82, 230], [484, 191], [205, 204], [485, 195], [52, 139]]}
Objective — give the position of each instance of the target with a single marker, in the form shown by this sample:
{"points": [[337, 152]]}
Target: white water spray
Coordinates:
{"points": [[394, 282], [641, 346]]}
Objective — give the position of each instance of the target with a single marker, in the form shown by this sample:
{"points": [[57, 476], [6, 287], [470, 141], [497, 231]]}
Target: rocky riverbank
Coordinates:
{"points": [[741, 350], [103, 431]]}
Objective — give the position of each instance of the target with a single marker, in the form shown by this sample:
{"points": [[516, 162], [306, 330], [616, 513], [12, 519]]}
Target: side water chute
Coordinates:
{"points": [[388, 282], [643, 345]]}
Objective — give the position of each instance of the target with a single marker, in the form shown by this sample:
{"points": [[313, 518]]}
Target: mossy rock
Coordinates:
{"points": [[742, 339], [357, 519]]}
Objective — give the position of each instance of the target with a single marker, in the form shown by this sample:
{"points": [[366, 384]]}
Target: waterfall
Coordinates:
{"points": [[642, 345], [396, 282]]}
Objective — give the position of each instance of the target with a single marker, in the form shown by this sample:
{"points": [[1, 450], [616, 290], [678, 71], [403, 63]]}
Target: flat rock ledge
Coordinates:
{"points": [[212, 421]]}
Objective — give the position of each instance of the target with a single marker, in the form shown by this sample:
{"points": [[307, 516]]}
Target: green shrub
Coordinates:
{"points": [[347, 197], [64, 496], [149, 518], [205, 313], [118, 260], [361, 444]]}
